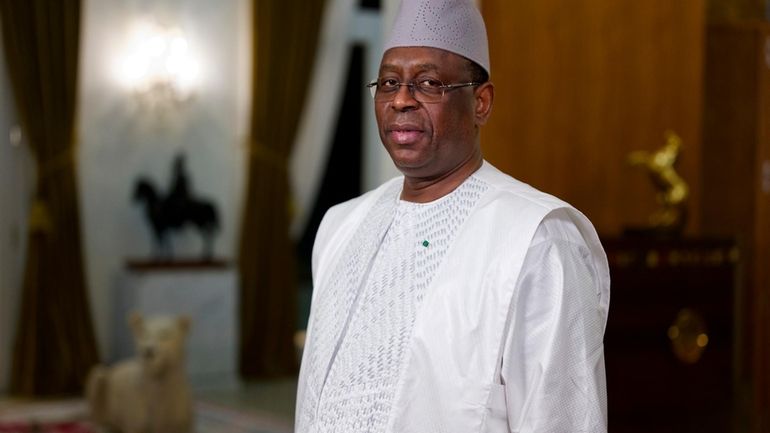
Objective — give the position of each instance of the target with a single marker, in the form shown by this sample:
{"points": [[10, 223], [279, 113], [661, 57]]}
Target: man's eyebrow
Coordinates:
{"points": [[422, 67]]}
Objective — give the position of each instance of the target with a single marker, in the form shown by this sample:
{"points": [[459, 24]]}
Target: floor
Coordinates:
{"points": [[267, 400], [275, 398]]}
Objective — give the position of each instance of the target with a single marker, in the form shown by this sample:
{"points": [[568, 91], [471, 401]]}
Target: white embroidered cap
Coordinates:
{"points": [[452, 25]]}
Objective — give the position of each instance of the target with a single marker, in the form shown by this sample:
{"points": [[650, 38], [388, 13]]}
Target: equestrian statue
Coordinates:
{"points": [[175, 210]]}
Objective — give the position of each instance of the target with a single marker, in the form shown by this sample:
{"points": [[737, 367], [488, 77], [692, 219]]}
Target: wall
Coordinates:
{"points": [[120, 139], [581, 84]]}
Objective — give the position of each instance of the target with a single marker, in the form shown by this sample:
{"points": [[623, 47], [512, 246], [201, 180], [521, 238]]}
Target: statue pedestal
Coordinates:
{"points": [[206, 291]]}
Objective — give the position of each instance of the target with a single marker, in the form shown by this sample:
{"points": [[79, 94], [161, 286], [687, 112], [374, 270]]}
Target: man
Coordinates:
{"points": [[454, 298]]}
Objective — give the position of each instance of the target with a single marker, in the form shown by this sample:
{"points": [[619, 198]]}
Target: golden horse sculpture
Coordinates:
{"points": [[672, 189]]}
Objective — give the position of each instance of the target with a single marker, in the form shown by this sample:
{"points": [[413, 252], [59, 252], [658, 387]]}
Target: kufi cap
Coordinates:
{"points": [[451, 25]]}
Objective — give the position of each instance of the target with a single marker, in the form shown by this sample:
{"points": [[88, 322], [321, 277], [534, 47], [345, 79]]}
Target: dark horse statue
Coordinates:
{"points": [[175, 210]]}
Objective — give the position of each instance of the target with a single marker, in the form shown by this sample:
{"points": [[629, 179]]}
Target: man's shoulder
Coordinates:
{"points": [[344, 218], [353, 210], [362, 201], [506, 190], [550, 217]]}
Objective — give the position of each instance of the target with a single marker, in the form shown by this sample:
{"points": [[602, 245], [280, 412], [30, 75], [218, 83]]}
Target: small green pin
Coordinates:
{"points": [[425, 243]]}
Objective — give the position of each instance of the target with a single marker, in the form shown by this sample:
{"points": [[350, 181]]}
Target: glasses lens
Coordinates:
{"points": [[385, 90], [428, 90]]}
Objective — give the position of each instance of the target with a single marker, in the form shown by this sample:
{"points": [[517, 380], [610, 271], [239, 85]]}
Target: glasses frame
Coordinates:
{"points": [[414, 90]]}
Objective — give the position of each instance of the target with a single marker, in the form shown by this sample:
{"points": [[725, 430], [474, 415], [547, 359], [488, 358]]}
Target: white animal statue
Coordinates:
{"points": [[149, 393]]}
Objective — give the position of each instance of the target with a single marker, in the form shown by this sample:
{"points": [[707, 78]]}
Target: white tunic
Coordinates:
{"points": [[440, 317]]}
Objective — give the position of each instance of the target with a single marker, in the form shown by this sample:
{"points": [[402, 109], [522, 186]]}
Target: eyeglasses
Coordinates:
{"points": [[425, 90]]}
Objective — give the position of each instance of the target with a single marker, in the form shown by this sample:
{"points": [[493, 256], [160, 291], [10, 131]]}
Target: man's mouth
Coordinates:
{"points": [[405, 134]]}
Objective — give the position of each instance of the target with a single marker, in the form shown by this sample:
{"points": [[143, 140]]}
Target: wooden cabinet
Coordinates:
{"points": [[736, 187], [669, 342]]}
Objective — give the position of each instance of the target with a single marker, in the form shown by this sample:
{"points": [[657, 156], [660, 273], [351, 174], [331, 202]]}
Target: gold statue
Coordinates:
{"points": [[672, 189]]}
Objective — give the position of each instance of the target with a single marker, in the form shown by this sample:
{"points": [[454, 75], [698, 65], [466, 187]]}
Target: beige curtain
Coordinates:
{"points": [[285, 35], [55, 344]]}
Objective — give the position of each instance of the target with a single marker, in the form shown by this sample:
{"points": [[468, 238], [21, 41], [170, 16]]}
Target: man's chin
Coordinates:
{"points": [[407, 160], [413, 168]]}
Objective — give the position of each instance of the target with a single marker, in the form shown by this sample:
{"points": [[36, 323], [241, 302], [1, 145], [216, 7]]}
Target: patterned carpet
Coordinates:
{"points": [[70, 416]]}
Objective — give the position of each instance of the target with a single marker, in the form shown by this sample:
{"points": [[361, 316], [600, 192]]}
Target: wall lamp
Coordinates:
{"points": [[158, 65]]}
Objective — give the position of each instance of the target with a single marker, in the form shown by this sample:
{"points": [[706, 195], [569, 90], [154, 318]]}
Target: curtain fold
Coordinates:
{"points": [[284, 43], [55, 345]]}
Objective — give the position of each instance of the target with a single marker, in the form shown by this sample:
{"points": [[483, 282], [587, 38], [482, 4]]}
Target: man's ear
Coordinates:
{"points": [[485, 94]]}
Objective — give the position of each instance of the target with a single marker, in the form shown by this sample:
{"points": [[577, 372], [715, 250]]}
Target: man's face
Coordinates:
{"points": [[428, 140]]}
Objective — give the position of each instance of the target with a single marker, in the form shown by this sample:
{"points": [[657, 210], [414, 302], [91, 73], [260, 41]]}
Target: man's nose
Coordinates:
{"points": [[404, 99]]}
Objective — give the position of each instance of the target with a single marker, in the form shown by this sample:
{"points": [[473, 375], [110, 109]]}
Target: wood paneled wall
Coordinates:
{"points": [[580, 84]]}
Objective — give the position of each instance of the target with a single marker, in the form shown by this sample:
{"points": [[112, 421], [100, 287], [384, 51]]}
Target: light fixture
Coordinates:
{"points": [[158, 65]]}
